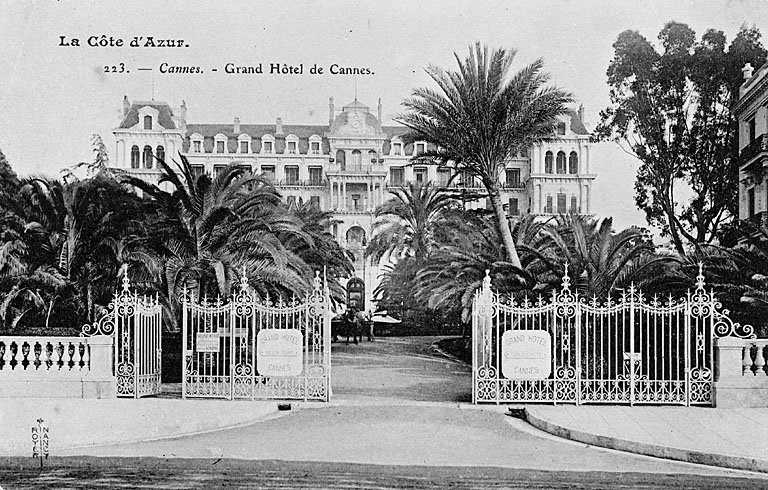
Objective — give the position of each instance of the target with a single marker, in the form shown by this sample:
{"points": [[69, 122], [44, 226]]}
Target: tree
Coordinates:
{"points": [[671, 111], [9, 184], [406, 224], [601, 261], [207, 229], [481, 117]]}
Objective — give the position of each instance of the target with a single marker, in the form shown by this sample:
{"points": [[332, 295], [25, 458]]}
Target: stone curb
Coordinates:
{"points": [[648, 449]]}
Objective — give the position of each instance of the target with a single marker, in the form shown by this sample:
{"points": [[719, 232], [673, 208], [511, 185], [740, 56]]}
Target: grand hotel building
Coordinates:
{"points": [[348, 165]]}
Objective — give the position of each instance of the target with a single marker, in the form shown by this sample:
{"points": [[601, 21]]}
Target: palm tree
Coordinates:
{"points": [[317, 247], [208, 228], [481, 117], [602, 261], [406, 224]]}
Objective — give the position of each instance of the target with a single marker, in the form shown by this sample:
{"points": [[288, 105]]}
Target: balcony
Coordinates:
{"points": [[513, 185], [754, 149], [302, 183]]}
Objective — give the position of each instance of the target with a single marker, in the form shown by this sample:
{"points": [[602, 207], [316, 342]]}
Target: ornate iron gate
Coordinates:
{"points": [[254, 349], [570, 350], [136, 323]]}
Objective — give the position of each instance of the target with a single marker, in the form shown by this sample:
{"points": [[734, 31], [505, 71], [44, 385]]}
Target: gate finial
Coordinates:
{"points": [[243, 279], [700, 277], [487, 281], [126, 281], [566, 279]]}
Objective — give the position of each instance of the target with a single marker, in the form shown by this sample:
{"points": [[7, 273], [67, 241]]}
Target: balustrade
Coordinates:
{"points": [[60, 355], [754, 356]]}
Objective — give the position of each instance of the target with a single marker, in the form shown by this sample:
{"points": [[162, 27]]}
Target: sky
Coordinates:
{"points": [[54, 97]]}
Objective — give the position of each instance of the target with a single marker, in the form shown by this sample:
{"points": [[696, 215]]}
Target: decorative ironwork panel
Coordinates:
{"points": [[252, 348], [632, 350]]}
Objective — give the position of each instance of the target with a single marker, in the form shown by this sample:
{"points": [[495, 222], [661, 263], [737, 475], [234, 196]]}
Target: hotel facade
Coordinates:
{"points": [[349, 165]]}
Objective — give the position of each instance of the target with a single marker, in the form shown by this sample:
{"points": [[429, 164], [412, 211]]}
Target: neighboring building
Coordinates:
{"points": [[347, 165], [752, 113]]}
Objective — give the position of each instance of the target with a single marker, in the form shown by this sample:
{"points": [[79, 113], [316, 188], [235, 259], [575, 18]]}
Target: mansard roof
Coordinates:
{"points": [[165, 114]]}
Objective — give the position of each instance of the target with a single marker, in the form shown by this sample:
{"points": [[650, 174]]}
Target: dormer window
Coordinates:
{"points": [[561, 128], [420, 149], [244, 144], [291, 148], [268, 144], [314, 147], [197, 146], [148, 123], [220, 143], [397, 148]]}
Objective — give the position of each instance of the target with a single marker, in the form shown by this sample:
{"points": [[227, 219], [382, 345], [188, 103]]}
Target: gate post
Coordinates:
{"points": [[184, 326], [578, 351], [632, 345]]}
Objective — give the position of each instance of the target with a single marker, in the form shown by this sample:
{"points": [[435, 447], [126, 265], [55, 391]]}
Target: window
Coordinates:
{"points": [[420, 148], [314, 202], [135, 157], [357, 159], [268, 147], [513, 177], [397, 148], [752, 128], [574, 205], [357, 202], [314, 147], [561, 128], [396, 176], [561, 203], [514, 206], [573, 163], [217, 169], [291, 175], [548, 160], [148, 122], [161, 153], [147, 156], [548, 207], [373, 156], [315, 175], [341, 159], [466, 179], [197, 171], [420, 175], [268, 171], [219, 146], [443, 176], [751, 202], [292, 147], [197, 146], [560, 162], [244, 147]]}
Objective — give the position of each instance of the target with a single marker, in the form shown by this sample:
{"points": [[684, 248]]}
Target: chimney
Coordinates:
{"points": [[126, 105], [747, 71], [279, 126], [380, 121], [237, 125], [330, 111], [183, 112], [581, 113]]}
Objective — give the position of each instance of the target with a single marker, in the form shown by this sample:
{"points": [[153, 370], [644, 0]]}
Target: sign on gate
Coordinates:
{"points": [[207, 342], [279, 352], [527, 354]]}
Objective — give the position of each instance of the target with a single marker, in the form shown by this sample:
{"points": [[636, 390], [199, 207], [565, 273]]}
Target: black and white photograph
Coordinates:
{"points": [[384, 245]]}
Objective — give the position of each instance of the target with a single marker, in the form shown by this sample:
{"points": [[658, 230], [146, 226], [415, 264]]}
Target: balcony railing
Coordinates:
{"points": [[513, 185], [302, 183], [759, 145]]}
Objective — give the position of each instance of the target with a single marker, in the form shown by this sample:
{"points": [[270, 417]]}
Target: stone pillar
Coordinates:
{"points": [[732, 388], [343, 206], [99, 382], [369, 204]]}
